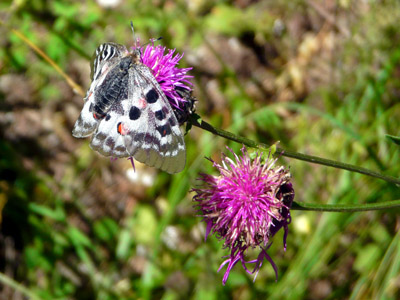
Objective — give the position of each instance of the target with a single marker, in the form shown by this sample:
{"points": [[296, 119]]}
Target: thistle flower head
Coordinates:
{"points": [[168, 75], [245, 205]]}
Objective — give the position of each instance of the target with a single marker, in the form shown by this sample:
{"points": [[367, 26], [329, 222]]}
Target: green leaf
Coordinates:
{"points": [[267, 119], [232, 20], [34, 258], [50, 93], [56, 48], [145, 225], [380, 234], [124, 244], [78, 238], [105, 229], [367, 258], [57, 214], [66, 9], [394, 139]]}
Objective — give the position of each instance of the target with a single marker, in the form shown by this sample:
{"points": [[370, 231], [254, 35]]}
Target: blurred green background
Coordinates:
{"points": [[321, 77]]}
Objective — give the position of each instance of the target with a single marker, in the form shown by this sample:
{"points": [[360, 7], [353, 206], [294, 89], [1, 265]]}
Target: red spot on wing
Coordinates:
{"points": [[142, 103], [98, 116], [122, 129]]}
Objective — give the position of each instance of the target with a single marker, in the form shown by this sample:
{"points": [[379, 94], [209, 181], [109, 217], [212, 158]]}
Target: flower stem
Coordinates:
{"points": [[196, 121], [346, 207]]}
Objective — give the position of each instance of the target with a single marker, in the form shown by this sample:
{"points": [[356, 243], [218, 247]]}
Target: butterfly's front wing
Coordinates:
{"points": [[142, 126], [105, 58]]}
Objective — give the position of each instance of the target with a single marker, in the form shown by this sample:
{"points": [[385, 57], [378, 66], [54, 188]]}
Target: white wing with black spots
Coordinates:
{"points": [[129, 114], [157, 140]]}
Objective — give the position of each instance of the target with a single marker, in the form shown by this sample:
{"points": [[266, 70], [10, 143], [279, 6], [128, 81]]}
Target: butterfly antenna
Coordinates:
{"points": [[153, 40], [136, 40]]}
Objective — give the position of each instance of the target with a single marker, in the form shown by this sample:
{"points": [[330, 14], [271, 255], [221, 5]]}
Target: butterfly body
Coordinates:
{"points": [[127, 113]]}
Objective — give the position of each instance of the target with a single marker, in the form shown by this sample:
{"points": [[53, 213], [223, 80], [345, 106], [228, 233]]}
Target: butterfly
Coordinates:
{"points": [[127, 113]]}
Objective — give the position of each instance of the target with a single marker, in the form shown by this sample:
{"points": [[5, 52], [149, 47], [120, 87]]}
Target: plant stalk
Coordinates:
{"points": [[346, 207], [300, 156]]}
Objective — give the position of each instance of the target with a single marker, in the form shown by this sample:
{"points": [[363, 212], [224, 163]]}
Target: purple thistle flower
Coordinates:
{"points": [[170, 78], [245, 206]]}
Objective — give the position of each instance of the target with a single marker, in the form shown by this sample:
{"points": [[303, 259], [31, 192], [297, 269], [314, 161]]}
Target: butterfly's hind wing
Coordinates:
{"points": [[108, 138], [154, 136], [106, 56]]}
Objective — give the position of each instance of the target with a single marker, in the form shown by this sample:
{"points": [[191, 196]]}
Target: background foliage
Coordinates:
{"points": [[322, 77]]}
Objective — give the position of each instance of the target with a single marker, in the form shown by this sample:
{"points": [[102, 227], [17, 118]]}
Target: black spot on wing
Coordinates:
{"points": [[149, 139], [108, 117], [160, 115], [134, 113], [151, 96], [171, 121], [138, 136], [101, 136], [110, 142], [164, 130]]}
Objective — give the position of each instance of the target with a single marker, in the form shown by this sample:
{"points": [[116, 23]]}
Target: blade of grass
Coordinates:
{"points": [[18, 287], [75, 87]]}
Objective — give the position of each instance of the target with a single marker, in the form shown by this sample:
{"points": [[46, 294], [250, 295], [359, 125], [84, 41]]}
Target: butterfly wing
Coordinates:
{"points": [[160, 142], [142, 126], [105, 58]]}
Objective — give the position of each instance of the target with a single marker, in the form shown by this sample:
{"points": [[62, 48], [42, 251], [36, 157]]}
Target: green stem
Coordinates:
{"points": [[195, 121], [346, 207], [17, 286]]}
